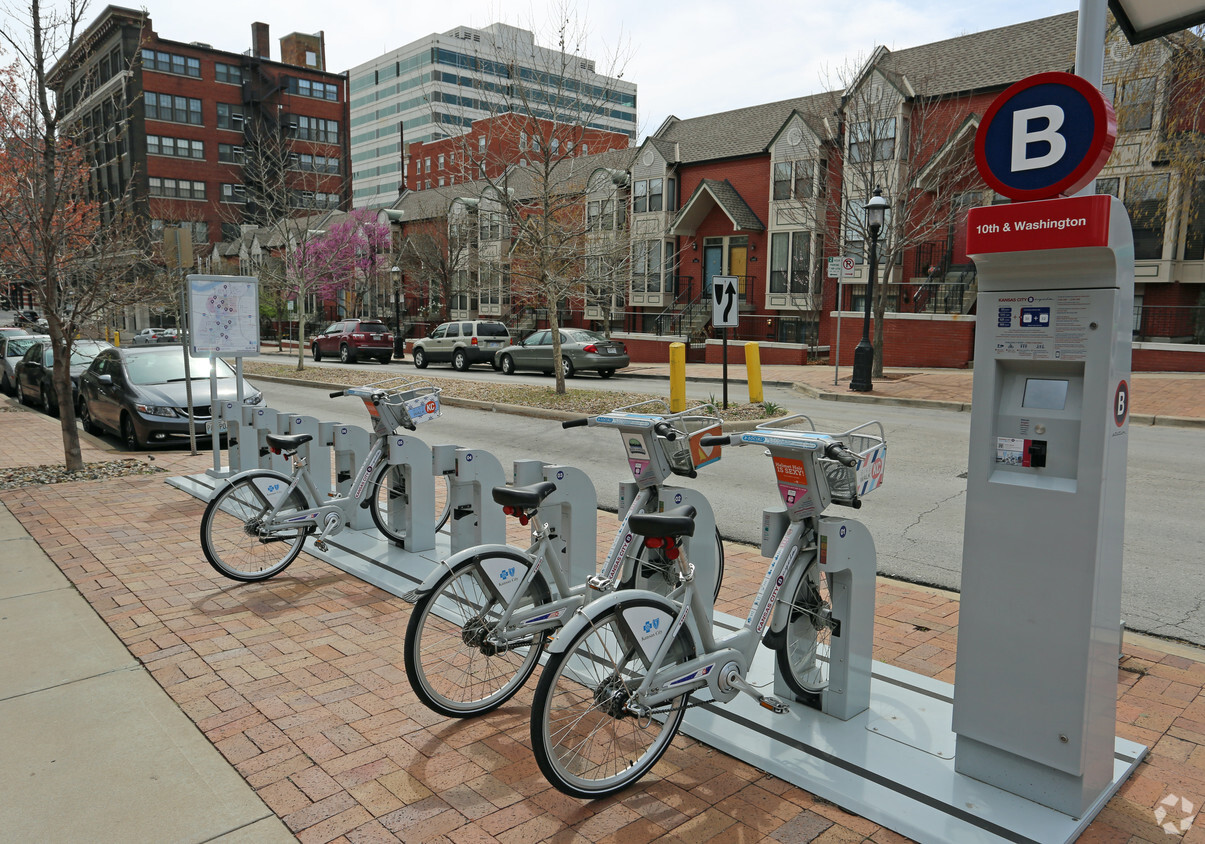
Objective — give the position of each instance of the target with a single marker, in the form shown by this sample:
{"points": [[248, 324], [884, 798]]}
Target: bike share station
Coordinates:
{"points": [[1023, 749]]}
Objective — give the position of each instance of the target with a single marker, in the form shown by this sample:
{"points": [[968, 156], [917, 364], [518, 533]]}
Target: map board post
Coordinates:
{"points": [[223, 321]]}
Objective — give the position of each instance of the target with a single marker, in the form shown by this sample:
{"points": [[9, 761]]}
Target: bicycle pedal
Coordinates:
{"points": [[320, 544], [599, 583], [773, 704]]}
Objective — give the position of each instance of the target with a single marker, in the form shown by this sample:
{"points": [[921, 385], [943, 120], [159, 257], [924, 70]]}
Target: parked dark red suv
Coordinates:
{"points": [[354, 338]]}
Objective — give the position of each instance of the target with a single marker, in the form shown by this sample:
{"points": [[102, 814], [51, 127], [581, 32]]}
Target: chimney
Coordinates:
{"points": [[259, 41]]}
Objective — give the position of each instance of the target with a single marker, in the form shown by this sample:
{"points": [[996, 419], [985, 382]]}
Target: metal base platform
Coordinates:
{"points": [[361, 553], [893, 764]]}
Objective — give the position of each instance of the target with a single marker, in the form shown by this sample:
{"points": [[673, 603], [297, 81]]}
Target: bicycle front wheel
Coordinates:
{"points": [[653, 571], [233, 535], [453, 666], [803, 655], [389, 490], [588, 742]]}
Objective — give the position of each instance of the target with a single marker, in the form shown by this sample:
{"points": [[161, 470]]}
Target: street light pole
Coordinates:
{"points": [[399, 342], [876, 211]]}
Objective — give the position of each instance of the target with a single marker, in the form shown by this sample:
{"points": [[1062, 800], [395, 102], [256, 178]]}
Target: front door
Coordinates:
{"points": [[737, 257], [713, 265]]}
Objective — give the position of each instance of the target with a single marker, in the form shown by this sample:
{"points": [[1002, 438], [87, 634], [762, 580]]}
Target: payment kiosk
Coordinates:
{"points": [[1035, 699]]}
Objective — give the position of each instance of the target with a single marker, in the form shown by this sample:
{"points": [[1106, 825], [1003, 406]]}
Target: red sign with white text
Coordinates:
{"points": [[1068, 223]]}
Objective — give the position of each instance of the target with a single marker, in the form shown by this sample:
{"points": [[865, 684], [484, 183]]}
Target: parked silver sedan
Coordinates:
{"points": [[581, 350]]}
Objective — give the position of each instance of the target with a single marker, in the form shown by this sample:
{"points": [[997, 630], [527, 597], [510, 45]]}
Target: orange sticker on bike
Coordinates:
{"points": [[790, 471]]}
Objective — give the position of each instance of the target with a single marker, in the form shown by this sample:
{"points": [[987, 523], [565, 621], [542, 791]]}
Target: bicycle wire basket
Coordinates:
{"points": [[399, 402], [684, 453], [849, 483]]}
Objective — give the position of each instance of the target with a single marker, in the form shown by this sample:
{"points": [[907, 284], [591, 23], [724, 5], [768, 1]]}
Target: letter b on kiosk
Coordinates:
{"points": [[1035, 697]]}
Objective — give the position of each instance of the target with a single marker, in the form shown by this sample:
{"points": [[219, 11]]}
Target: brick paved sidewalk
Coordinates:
{"points": [[298, 681]]}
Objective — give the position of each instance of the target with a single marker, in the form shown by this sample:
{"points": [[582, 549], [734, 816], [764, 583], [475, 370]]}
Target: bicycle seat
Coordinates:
{"points": [[287, 442], [523, 497], [680, 521]]}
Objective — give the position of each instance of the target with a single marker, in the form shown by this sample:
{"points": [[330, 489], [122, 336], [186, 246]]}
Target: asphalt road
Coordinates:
{"points": [[917, 516]]}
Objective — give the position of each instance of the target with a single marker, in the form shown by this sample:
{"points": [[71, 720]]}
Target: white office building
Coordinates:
{"points": [[434, 87]]}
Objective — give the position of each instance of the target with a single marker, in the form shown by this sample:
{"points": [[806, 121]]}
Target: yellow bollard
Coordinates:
{"points": [[677, 377], [116, 337], [753, 368]]}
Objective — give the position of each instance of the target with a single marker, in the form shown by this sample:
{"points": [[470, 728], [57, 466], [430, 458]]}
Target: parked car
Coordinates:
{"points": [[12, 348], [26, 318], [462, 343], [34, 372], [139, 393], [354, 338], [13, 331], [581, 350], [169, 335], [146, 335]]}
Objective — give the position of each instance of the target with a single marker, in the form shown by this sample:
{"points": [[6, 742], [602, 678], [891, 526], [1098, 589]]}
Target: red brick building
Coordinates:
{"points": [[202, 137], [492, 144]]}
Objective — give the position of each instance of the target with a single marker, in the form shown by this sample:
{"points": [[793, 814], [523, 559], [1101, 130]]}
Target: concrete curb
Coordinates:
{"points": [[860, 398]]}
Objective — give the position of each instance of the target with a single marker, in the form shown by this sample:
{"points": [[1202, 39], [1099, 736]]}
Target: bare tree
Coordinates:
{"points": [[82, 253], [918, 150], [532, 218]]}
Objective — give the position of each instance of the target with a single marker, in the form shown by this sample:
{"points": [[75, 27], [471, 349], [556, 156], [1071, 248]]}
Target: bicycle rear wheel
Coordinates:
{"points": [[803, 655], [586, 742], [451, 666], [389, 487], [232, 533], [651, 570]]}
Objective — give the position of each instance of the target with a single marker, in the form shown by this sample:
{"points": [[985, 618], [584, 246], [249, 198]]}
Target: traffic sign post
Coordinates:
{"points": [[725, 314]]}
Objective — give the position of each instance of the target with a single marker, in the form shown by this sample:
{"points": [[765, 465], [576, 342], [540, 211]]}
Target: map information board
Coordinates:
{"points": [[223, 315]]}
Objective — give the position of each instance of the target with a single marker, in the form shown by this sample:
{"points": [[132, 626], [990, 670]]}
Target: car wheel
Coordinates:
{"points": [[346, 355], [316, 352], [129, 434], [384, 359], [508, 365], [420, 359], [48, 403], [85, 417], [21, 394], [460, 361], [5, 385], [605, 373], [567, 367]]}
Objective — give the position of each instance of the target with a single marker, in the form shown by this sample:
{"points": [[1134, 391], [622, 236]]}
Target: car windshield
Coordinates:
{"points": [[82, 353], [17, 346], [166, 366], [491, 329]]}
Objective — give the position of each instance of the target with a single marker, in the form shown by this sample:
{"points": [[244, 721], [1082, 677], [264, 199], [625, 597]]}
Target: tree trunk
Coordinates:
{"points": [[555, 327]]}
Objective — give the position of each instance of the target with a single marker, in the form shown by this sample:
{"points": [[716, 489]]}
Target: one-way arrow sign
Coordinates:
{"points": [[724, 312]]}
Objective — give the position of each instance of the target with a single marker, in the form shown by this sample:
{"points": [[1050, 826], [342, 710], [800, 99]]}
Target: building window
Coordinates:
{"points": [[171, 63], [523, 141], [656, 188], [315, 129], [439, 163], [640, 197], [172, 108], [230, 117], [877, 145], [175, 188], [646, 266], [793, 179], [228, 73], [1194, 241], [230, 153], [176, 147], [1135, 106], [234, 193], [789, 262], [310, 88], [1146, 201]]}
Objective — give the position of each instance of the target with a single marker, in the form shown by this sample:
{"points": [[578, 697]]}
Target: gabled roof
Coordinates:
{"points": [[741, 132], [712, 193], [985, 60]]}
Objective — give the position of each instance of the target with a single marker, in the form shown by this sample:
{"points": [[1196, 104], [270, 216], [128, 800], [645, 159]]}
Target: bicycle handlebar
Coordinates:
{"points": [[576, 423], [841, 454], [336, 394], [722, 440], [664, 429]]}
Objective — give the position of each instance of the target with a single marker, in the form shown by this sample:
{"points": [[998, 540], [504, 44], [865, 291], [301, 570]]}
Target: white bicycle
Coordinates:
{"points": [[482, 619], [256, 524], [621, 672]]}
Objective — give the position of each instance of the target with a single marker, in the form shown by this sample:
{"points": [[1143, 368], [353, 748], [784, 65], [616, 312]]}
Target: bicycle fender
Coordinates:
{"points": [[456, 559], [782, 612], [587, 615]]}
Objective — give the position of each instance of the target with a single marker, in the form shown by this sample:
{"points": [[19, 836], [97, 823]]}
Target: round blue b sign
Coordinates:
{"points": [[1047, 135]]}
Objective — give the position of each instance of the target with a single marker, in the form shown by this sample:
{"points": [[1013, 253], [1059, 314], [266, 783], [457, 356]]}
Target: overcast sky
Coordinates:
{"points": [[687, 57]]}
